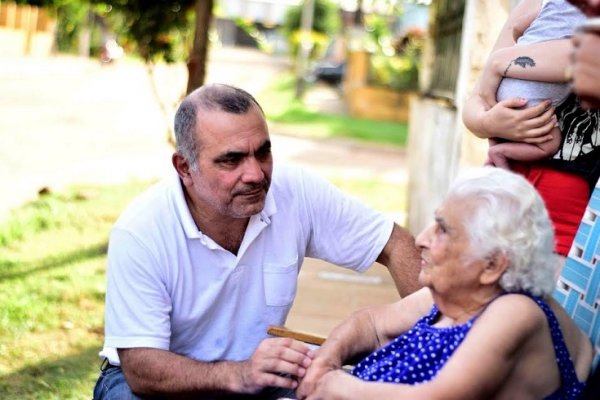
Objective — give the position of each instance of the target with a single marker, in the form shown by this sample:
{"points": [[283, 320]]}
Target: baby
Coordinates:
{"points": [[557, 19]]}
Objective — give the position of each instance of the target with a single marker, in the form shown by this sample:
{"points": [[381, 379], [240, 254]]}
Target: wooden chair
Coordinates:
{"points": [[282, 331]]}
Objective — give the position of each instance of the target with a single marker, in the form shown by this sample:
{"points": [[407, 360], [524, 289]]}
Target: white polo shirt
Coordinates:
{"points": [[171, 287]]}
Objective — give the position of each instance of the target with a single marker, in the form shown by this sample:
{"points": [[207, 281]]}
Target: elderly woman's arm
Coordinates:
{"points": [[480, 366], [365, 331]]}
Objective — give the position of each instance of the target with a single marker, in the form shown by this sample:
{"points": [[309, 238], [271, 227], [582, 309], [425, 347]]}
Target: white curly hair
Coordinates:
{"points": [[509, 217]]}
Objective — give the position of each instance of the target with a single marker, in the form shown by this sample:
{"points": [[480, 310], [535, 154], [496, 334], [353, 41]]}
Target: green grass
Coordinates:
{"points": [[52, 268], [282, 108], [52, 285]]}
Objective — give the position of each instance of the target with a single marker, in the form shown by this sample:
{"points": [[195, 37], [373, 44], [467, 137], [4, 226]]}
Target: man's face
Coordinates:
{"points": [[234, 164]]}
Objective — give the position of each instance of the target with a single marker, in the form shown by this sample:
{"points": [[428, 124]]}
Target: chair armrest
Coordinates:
{"points": [[282, 331]]}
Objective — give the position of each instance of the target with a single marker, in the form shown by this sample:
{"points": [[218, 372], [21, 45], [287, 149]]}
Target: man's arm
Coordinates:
{"points": [[160, 372], [403, 259]]}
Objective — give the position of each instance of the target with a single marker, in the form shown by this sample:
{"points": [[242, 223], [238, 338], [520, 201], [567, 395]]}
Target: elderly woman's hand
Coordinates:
{"points": [[586, 68], [508, 121], [318, 368], [335, 385]]}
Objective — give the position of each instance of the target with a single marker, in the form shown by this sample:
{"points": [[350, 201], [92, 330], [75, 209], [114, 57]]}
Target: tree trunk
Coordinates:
{"points": [[358, 14], [198, 57]]}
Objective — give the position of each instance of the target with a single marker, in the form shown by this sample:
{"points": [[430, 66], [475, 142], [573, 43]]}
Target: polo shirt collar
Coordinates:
{"points": [[187, 222]]}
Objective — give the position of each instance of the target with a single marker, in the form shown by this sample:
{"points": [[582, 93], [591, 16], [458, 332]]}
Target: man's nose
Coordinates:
{"points": [[253, 171]]}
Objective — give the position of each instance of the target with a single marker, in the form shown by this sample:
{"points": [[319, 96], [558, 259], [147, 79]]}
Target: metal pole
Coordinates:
{"points": [[308, 11]]}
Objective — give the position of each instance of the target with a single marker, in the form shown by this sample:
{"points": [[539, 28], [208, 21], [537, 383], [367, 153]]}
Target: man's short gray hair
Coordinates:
{"points": [[510, 217], [212, 97]]}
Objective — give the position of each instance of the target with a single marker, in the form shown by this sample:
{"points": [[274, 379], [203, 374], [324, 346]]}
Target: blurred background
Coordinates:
{"points": [[367, 93]]}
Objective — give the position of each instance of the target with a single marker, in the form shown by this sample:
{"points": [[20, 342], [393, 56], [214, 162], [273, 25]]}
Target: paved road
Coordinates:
{"points": [[66, 120]]}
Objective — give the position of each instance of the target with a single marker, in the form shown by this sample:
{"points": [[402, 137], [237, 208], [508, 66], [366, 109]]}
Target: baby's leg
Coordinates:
{"points": [[491, 142], [500, 153]]}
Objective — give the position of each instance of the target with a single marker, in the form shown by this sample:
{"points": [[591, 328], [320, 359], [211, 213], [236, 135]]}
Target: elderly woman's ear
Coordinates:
{"points": [[496, 264]]}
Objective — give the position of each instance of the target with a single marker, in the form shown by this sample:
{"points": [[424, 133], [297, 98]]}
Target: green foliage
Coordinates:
{"points": [[156, 29], [72, 16], [255, 33], [326, 22], [284, 110], [394, 61]]}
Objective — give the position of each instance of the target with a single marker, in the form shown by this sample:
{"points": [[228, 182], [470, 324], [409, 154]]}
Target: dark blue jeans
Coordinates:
{"points": [[111, 385]]}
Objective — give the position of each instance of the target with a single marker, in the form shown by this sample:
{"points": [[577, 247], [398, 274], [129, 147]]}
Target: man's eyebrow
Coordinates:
{"points": [[235, 154], [265, 146], [231, 155]]}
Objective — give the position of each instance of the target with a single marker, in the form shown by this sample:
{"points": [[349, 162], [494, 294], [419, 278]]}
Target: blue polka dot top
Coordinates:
{"points": [[417, 355]]}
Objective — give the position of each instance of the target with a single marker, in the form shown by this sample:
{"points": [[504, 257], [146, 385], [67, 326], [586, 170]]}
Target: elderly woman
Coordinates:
{"points": [[483, 327]]}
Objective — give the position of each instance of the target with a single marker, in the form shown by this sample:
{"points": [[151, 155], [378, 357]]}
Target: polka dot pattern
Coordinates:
{"points": [[415, 356], [418, 355]]}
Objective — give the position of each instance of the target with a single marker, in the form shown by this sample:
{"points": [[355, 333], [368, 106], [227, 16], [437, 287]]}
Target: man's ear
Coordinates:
{"points": [[182, 166], [496, 264]]}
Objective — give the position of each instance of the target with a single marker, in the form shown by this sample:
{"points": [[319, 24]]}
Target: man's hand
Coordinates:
{"points": [[276, 362], [586, 69], [319, 367], [508, 121]]}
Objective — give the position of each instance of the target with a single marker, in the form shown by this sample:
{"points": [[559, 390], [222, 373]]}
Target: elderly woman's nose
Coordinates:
{"points": [[422, 239]]}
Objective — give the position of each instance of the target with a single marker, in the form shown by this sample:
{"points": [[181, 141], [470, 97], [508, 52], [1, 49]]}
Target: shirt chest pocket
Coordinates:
{"points": [[280, 282]]}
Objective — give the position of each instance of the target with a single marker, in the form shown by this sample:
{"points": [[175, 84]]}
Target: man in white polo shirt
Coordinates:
{"points": [[201, 264]]}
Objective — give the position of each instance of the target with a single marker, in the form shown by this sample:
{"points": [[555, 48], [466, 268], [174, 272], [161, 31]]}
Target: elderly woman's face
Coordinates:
{"points": [[448, 264]]}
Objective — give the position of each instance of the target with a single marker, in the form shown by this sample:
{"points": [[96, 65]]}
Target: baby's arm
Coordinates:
{"points": [[500, 153]]}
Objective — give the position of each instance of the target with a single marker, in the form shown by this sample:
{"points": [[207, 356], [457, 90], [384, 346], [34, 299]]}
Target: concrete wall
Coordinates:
{"points": [[439, 144]]}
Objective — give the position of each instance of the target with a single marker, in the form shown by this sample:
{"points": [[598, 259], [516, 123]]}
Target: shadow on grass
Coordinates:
{"points": [[53, 261], [70, 377]]}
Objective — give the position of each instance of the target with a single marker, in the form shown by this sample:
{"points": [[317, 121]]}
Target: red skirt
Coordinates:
{"points": [[566, 196]]}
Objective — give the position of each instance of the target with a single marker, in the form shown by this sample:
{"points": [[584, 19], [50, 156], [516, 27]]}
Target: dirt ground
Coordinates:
{"points": [[67, 120]]}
